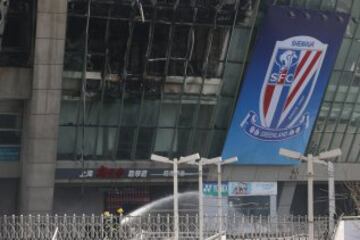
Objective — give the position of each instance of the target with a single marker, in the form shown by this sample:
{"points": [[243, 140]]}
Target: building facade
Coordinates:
{"points": [[89, 89]]}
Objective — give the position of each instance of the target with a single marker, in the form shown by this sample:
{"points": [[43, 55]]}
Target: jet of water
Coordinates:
{"points": [[165, 203]]}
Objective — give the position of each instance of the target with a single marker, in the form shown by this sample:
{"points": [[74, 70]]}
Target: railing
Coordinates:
{"points": [[154, 226]]}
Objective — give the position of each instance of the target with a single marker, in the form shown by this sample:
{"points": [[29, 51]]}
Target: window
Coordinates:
{"points": [[16, 32], [10, 137]]}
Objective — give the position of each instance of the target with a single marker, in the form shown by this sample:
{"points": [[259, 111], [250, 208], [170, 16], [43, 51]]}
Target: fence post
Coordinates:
{"points": [[158, 230], [56, 224], [268, 227], [196, 230], [38, 230], [140, 224], [66, 227], [47, 227], [3, 231], [298, 225], [277, 227], [252, 226], [149, 223], [260, 224], [292, 225], [74, 232], [234, 220], [12, 225], [241, 226], [168, 225], [283, 227], [111, 226], [186, 229], [21, 227], [92, 229], [82, 232], [31, 228], [102, 226]]}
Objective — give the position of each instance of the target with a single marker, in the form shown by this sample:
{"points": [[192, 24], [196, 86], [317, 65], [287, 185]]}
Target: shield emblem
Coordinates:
{"points": [[290, 80]]}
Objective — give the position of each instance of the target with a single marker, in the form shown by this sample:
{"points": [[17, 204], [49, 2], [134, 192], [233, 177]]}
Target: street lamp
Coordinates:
{"points": [[219, 180], [205, 161], [175, 162], [200, 164], [310, 159], [219, 162]]}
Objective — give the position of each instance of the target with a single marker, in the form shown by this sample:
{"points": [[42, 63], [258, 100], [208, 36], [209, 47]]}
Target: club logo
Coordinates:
{"points": [[288, 86]]}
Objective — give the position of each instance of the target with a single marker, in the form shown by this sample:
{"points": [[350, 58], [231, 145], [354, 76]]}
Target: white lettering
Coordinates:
{"points": [[300, 43]]}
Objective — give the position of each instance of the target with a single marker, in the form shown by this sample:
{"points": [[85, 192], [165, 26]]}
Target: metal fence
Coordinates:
{"points": [[154, 226]]}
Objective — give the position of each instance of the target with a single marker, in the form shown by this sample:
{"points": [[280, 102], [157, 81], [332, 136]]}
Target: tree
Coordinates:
{"points": [[354, 191]]}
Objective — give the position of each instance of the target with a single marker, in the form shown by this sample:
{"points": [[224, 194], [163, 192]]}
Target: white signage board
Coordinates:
{"points": [[237, 189]]}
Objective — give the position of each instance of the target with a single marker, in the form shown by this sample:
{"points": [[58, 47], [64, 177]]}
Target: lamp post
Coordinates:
{"points": [[218, 162], [331, 194], [205, 161], [175, 162], [200, 164], [219, 180], [310, 159]]}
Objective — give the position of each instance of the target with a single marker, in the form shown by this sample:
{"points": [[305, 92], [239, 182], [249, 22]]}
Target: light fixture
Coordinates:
{"points": [[229, 160], [330, 154], [290, 154], [189, 158], [310, 160], [161, 159]]}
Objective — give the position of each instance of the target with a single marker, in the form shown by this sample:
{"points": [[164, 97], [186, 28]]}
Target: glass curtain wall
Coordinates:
{"points": [[151, 76]]}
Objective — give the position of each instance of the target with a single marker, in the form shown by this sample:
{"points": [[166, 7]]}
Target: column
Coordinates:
{"points": [[286, 198], [41, 115]]}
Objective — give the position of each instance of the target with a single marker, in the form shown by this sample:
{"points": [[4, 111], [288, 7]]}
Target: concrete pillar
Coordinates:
{"points": [[286, 198], [41, 114]]}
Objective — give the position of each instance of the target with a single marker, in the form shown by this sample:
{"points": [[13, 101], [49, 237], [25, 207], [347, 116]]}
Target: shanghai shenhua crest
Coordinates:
{"points": [[287, 88]]}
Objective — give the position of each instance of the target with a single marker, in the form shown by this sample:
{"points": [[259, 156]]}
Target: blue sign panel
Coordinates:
{"points": [[284, 84], [210, 189], [9, 153]]}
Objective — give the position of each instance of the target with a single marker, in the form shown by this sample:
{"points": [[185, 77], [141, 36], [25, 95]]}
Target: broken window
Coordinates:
{"points": [[146, 45], [150, 74], [16, 32]]}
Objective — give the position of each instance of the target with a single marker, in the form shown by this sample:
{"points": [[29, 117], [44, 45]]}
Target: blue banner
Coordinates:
{"points": [[281, 93]]}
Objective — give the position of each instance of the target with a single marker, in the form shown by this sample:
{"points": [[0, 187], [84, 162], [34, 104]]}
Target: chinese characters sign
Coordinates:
{"points": [[252, 188], [104, 172]]}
